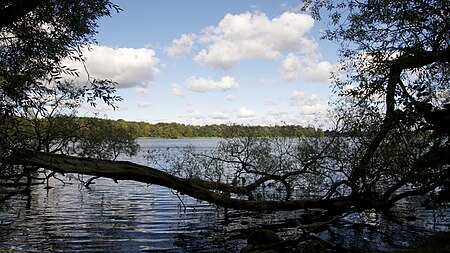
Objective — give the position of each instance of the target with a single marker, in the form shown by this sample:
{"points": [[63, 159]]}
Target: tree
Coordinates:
{"points": [[103, 139], [35, 36], [393, 106], [37, 103], [397, 95]]}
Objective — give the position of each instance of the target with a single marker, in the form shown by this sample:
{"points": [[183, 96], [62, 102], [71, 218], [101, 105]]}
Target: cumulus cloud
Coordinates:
{"points": [[234, 115], [243, 112], [177, 90], [207, 84], [129, 67], [195, 115], [229, 98], [307, 103], [308, 67], [248, 36], [181, 46], [220, 115], [300, 97], [254, 36]]}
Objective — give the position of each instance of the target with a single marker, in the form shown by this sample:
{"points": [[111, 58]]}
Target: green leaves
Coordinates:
{"points": [[47, 32], [105, 139], [37, 91], [102, 90]]}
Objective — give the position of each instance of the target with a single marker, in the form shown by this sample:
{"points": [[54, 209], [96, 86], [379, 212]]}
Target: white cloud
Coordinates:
{"points": [[297, 97], [268, 81], [99, 108], [277, 112], [177, 90], [249, 36], [270, 101], [195, 115], [309, 115], [229, 98], [319, 72], [307, 67], [129, 67], [235, 115], [308, 104], [144, 105], [312, 109], [220, 115], [181, 46], [141, 90], [300, 97], [243, 112], [192, 113], [254, 36], [291, 67], [208, 84]]}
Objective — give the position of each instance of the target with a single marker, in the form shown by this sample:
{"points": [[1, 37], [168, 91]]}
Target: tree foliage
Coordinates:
{"points": [[38, 94], [178, 130], [396, 94], [105, 140], [35, 38]]}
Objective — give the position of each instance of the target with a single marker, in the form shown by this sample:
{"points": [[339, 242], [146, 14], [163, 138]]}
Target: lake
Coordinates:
{"points": [[136, 217]]}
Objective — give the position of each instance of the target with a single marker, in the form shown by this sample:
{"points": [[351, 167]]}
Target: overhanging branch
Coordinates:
{"points": [[121, 170]]}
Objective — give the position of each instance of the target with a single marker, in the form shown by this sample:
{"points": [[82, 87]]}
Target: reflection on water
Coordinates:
{"points": [[135, 217], [109, 217]]}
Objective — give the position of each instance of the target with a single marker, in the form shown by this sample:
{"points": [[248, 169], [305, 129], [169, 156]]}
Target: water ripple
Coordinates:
{"points": [[124, 217], [135, 217]]}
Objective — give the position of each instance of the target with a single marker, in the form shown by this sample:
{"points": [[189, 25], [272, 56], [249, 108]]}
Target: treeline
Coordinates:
{"points": [[62, 127], [178, 131]]}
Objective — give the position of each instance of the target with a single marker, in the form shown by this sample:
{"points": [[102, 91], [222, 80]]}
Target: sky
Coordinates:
{"points": [[213, 62]]}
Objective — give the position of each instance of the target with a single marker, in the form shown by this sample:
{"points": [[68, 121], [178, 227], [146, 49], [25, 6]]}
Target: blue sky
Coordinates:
{"points": [[212, 62]]}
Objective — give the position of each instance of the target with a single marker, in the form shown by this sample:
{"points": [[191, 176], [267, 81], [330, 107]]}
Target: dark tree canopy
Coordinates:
{"points": [[37, 103], [396, 92], [35, 37], [395, 53]]}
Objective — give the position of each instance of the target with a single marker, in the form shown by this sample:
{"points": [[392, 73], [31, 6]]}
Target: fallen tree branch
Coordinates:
{"points": [[121, 170]]}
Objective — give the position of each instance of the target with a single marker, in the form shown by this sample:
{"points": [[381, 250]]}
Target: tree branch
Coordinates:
{"points": [[120, 170], [404, 62]]}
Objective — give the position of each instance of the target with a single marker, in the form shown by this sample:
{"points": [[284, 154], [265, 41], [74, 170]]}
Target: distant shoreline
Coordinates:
{"points": [[183, 131]]}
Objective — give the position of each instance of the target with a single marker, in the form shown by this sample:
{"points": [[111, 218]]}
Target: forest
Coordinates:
{"points": [[178, 130], [70, 130]]}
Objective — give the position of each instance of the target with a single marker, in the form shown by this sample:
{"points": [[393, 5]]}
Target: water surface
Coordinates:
{"points": [[134, 217]]}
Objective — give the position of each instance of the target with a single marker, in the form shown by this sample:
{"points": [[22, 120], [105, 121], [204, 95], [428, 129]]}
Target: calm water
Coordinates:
{"points": [[135, 217]]}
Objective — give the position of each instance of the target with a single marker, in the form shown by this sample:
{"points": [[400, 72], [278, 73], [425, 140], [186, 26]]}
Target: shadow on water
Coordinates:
{"points": [[135, 217]]}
